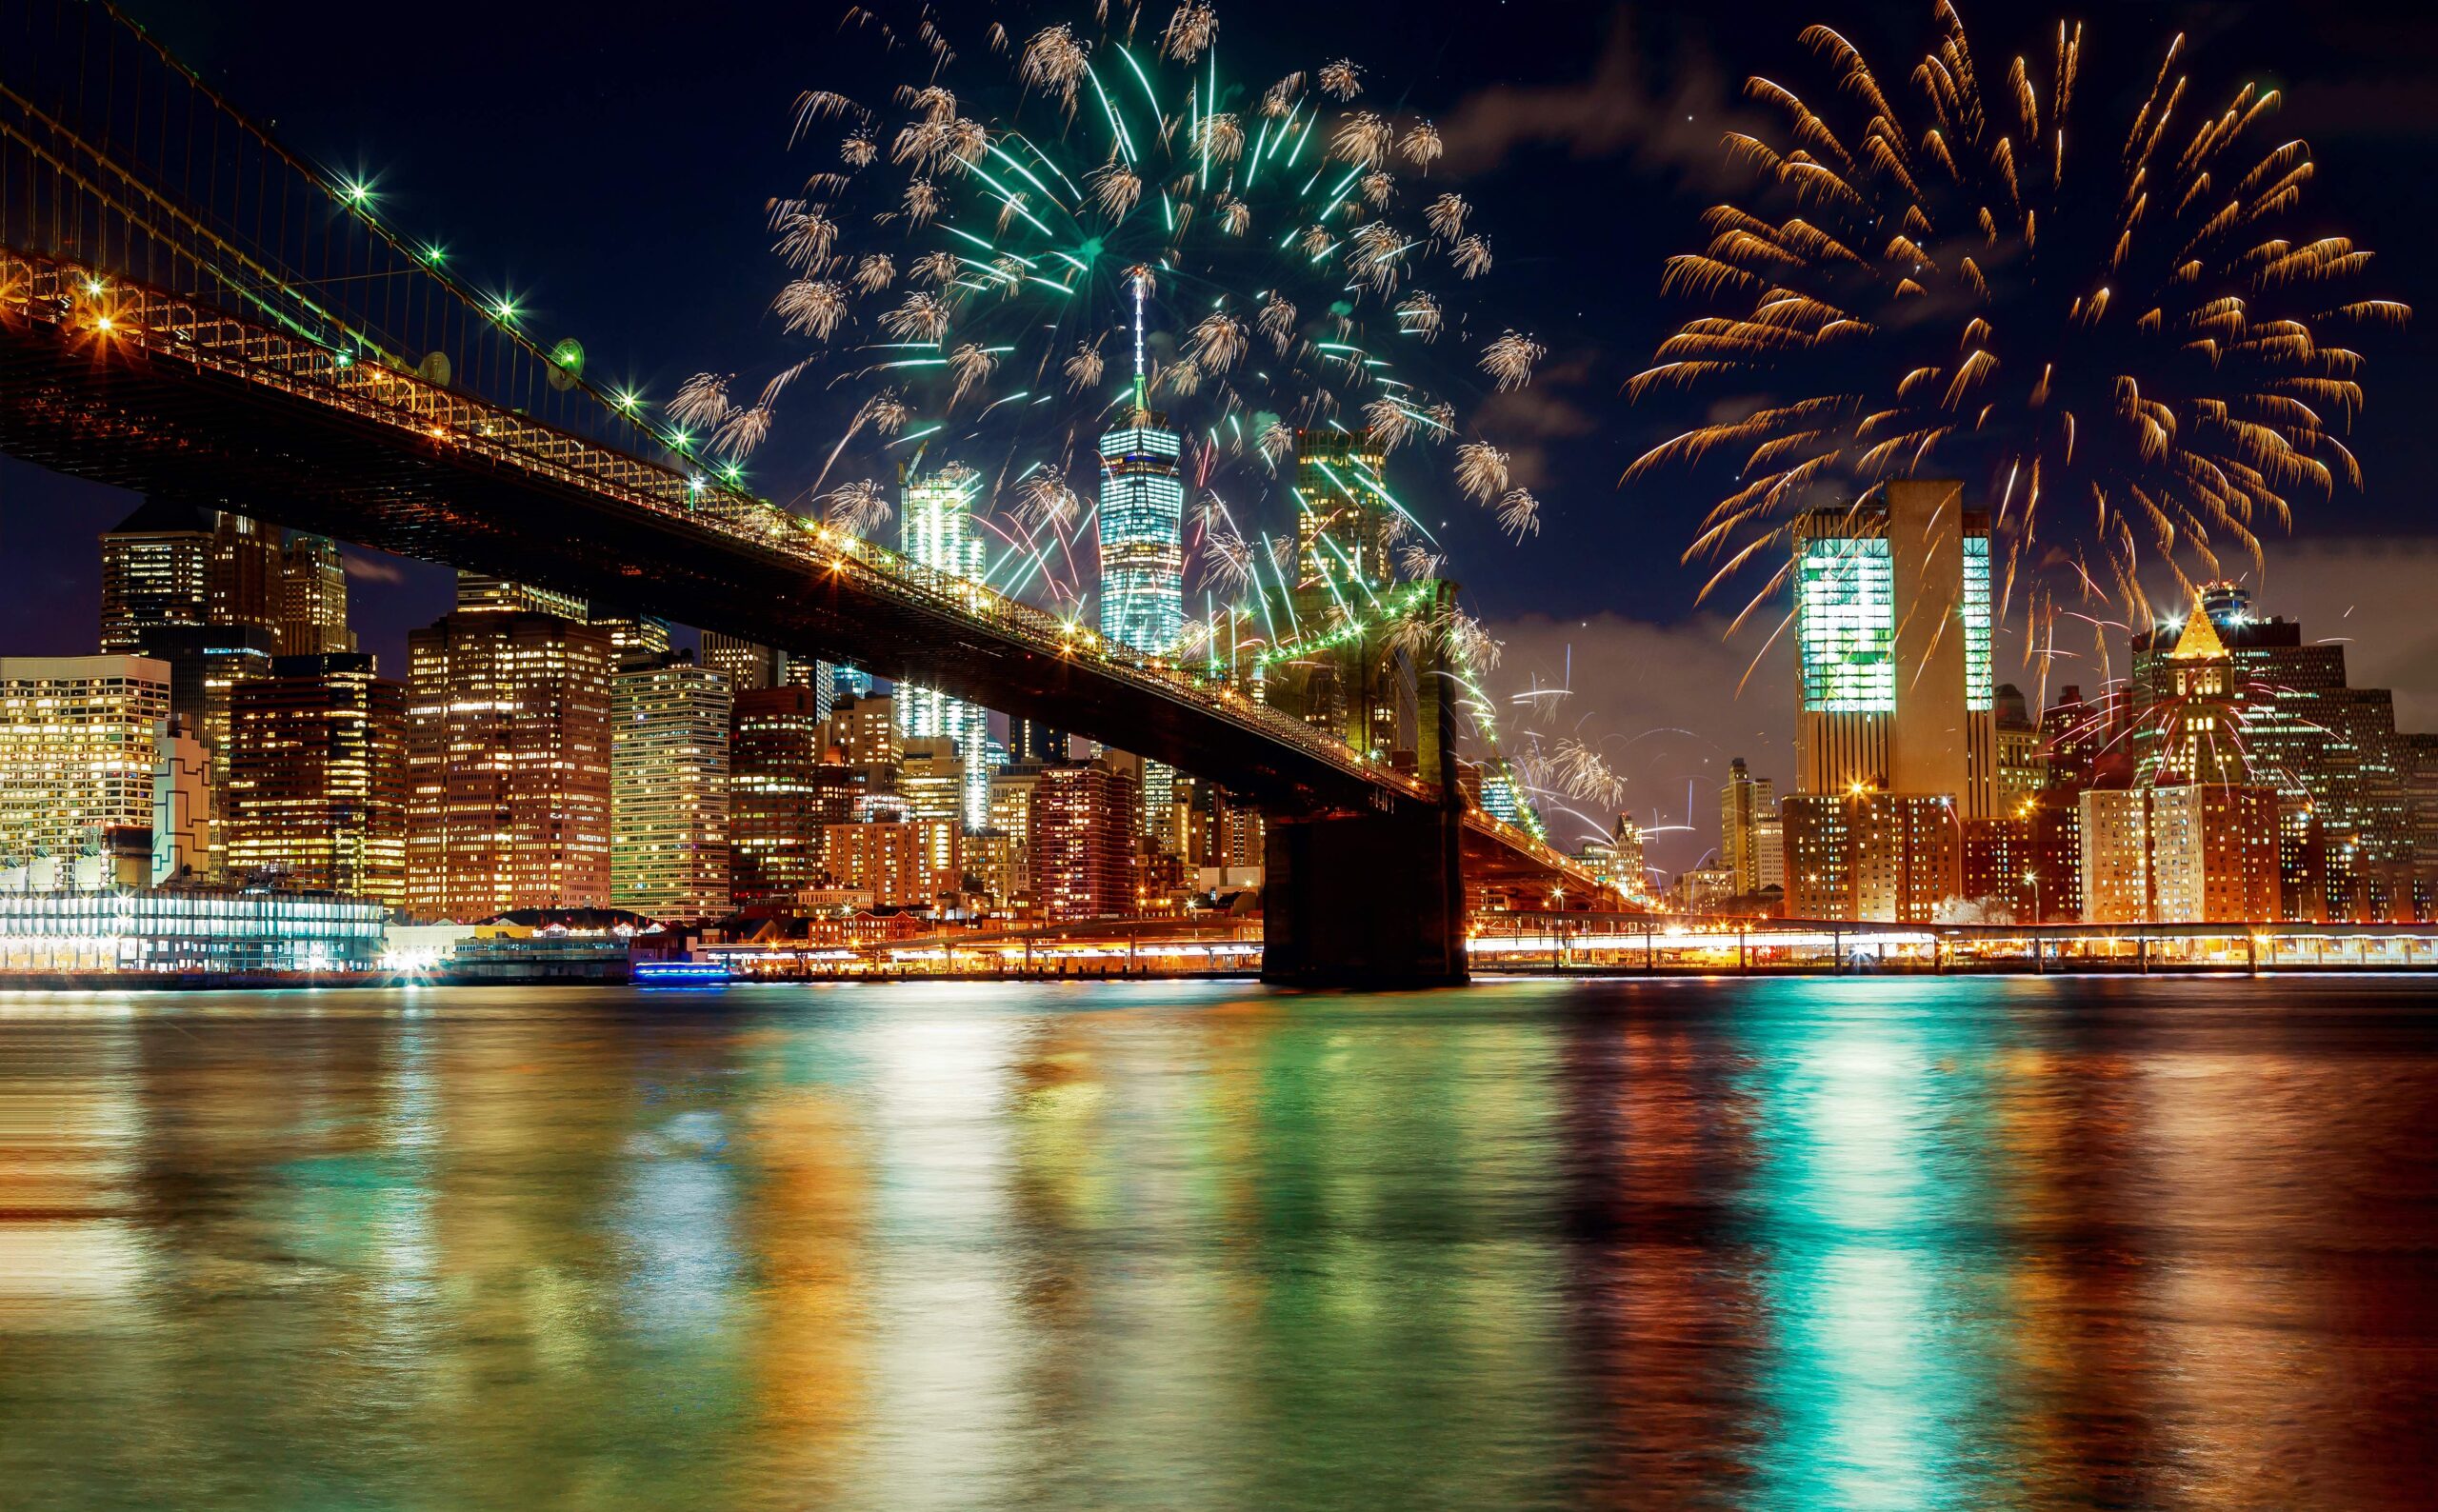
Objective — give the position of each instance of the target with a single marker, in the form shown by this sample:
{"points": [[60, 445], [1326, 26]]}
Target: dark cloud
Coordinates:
{"points": [[1523, 421], [369, 568], [1622, 108]]}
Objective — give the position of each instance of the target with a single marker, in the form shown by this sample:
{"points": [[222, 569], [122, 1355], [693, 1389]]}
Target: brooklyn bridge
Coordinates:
{"points": [[191, 310]]}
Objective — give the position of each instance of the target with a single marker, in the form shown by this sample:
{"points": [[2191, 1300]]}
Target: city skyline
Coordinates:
{"points": [[1190, 752], [1538, 129]]}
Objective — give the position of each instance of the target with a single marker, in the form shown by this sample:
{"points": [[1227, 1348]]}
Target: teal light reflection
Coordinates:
{"points": [[1888, 1325]]}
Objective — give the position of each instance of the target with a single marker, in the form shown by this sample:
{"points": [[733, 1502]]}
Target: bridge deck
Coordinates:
{"points": [[153, 392]]}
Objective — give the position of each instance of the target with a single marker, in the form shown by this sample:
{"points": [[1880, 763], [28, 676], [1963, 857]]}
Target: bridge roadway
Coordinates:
{"points": [[158, 394]]}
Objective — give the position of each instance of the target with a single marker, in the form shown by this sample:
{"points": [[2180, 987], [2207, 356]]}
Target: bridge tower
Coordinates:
{"points": [[1375, 897]]}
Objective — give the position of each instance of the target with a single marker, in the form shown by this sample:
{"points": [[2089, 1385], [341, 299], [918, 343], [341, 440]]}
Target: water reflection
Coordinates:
{"points": [[1783, 1244]]}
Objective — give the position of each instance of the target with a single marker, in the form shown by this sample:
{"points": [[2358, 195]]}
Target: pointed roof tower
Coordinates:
{"points": [[2199, 641]]}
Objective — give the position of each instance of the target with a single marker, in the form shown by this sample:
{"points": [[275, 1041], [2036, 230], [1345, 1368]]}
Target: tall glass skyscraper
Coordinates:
{"points": [[1142, 518], [1896, 725], [936, 530], [1892, 630]]}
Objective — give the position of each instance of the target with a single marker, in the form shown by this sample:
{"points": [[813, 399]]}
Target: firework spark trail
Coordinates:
{"points": [[961, 258], [2158, 358]]}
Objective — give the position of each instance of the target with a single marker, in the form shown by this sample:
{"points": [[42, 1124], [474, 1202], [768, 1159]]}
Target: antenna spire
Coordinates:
{"points": [[1141, 276]]}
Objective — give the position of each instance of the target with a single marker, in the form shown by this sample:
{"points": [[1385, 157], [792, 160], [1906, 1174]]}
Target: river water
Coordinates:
{"points": [[1785, 1244]]}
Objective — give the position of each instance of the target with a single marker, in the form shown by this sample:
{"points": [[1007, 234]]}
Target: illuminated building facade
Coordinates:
{"points": [[80, 738], [2305, 731], [634, 639], [747, 667], [175, 564], [1892, 634], [1009, 858], [2000, 867], [2189, 853], [1769, 853], [1141, 542], [1743, 805], [936, 530], [1497, 793], [783, 794], [1890, 857], [317, 779], [1223, 831], [2190, 841], [1618, 860], [311, 604], [2117, 854], [1083, 823], [2074, 731], [1702, 889], [188, 930], [2023, 758], [864, 731], [1343, 524], [934, 780], [508, 764], [897, 861], [208, 663], [156, 570], [668, 792], [480, 593]]}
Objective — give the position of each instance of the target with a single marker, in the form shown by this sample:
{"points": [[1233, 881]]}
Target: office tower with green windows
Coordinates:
{"points": [[1893, 626], [1896, 727]]}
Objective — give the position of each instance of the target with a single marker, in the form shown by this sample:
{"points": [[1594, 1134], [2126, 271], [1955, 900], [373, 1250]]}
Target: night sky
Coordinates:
{"points": [[610, 163]]}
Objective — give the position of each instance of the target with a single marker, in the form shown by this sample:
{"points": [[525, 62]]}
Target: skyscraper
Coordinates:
{"points": [[746, 665], [865, 730], [635, 639], [80, 737], [311, 601], [2023, 760], [1142, 517], [668, 791], [1342, 527], [182, 565], [1743, 802], [935, 778], [1630, 866], [1082, 844], [208, 663], [507, 762], [480, 593], [2192, 840], [936, 530], [156, 570], [318, 778], [2304, 729], [783, 794], [1895, 726], [1142, 514], [1892, 630]]}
